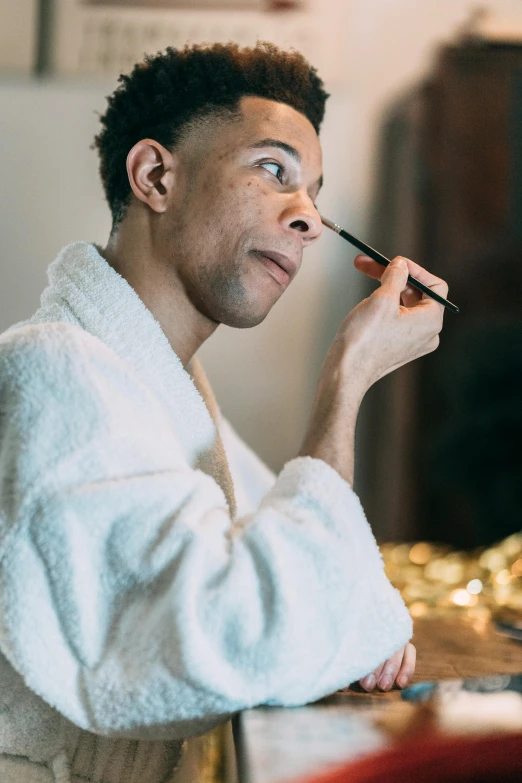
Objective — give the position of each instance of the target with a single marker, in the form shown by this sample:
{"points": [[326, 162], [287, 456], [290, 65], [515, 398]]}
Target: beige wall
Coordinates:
{"points": [[264, 378], [18, 23]]}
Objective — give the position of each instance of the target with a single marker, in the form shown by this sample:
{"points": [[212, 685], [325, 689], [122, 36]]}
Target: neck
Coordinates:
{"points": [[131, 252]]}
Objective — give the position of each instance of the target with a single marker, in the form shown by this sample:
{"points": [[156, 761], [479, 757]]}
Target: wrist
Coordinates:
{"points": [[347, 374]]}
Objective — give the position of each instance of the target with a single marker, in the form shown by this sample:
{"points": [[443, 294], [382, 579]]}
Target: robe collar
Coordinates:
{"points": [[104, 304]]}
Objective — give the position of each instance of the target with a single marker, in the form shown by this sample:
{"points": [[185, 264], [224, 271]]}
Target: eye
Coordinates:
{"points": [[277, 170]]}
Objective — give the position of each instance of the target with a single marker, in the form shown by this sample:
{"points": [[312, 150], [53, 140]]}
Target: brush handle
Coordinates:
{"points": [[383, 261]]}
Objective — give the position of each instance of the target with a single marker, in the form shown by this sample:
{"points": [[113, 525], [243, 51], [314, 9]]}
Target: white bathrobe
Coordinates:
{"points": [[149, 586]]}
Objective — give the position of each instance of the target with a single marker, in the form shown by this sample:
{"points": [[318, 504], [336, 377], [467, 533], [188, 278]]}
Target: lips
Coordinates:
{"points": [[281, 267]]}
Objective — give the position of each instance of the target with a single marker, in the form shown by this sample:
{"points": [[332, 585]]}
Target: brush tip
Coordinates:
{"points": [[330, 224]]}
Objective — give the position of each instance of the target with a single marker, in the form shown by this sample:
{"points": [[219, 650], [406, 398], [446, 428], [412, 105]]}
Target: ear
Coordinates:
{"points": [[151, 171]]}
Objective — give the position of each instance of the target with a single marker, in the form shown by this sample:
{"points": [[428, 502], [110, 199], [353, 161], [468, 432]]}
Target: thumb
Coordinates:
{"points": [[395, 277]]}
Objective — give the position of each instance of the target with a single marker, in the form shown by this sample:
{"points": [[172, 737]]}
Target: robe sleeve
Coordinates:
{"points": [[129, 601]]}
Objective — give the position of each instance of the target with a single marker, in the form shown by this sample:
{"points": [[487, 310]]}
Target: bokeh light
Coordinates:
{"points": [[434, 578]]}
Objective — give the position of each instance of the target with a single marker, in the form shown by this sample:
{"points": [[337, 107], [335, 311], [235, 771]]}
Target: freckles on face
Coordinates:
{"points": [[211, 232], [228, 216], [230, 209]]}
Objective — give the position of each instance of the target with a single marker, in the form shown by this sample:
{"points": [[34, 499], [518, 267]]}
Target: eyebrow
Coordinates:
{"points": [[282, 145]]}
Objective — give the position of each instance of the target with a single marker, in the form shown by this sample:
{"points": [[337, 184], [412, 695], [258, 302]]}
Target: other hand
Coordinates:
{"points": [[397, 670]]}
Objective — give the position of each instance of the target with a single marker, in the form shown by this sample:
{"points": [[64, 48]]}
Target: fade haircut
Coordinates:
{"points": [[168, 92]]}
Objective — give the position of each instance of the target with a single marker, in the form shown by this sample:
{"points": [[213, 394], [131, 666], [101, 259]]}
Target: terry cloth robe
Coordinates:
{"points": [[151, 586]]}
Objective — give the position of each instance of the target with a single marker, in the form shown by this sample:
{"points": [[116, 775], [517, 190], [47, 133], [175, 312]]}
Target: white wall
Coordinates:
{"points": [[49, 192], [264, 378]]}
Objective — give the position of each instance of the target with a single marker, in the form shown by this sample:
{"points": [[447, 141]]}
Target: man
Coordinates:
{"points": [[155, 576]]}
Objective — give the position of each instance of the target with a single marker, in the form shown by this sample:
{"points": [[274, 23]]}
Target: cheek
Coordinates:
{"points": [[223, 214], [236, 208], [253, 199]]}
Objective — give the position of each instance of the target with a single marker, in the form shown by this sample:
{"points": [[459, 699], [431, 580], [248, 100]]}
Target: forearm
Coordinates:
{"points": [[378, 336], [331, 432]]}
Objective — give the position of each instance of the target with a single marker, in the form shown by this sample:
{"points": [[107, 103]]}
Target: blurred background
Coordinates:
{"points": [[422, 156]]}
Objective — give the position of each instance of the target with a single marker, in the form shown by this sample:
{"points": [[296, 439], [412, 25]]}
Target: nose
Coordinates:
{"points": [[302, 217]]}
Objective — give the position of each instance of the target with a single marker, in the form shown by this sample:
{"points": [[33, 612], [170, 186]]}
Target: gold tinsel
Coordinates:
{"points": [[434, 578]]}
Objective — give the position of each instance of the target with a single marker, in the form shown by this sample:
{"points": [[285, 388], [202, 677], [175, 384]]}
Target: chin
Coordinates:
{"points": [[235, 300], [243, 320], [237, 317]]}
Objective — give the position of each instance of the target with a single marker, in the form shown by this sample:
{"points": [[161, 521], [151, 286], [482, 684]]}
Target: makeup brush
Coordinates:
{"points": [[383, 261]]}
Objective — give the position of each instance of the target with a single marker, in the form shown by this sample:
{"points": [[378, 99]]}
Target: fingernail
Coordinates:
{"points": [[385, 683], [401, 681], [368, 683]]}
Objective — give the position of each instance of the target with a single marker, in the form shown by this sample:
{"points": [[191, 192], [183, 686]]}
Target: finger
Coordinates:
{"points": [[390, 671], [428, 279], [411, 296], [407, 669], [370, 681], [372, 269], [368, 267], [394, 278]]}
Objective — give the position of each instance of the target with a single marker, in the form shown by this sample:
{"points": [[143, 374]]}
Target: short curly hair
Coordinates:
{"points": [[171, 89]]}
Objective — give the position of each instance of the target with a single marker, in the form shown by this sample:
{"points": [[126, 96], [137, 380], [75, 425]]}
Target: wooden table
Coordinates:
{"points": [[276, 745], [449, 647]]}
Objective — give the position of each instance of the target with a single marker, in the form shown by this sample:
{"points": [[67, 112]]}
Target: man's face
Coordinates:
{"points": [[242, 210]]}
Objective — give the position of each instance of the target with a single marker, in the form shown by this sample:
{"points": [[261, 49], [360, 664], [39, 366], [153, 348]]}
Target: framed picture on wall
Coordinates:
{"points": [[104, 38], [248, 5], [244, 5], [18, 36]]}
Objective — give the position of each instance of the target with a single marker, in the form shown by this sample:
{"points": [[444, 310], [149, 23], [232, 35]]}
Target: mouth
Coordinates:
{"points": [[280, 266]]}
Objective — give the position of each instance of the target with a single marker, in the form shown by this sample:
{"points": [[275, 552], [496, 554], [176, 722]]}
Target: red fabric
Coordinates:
{"points": [[437, 759]]}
